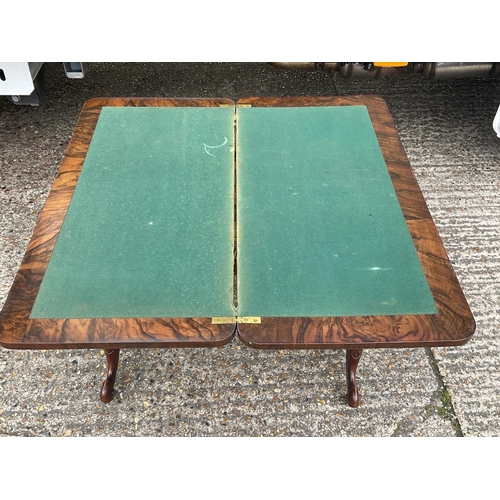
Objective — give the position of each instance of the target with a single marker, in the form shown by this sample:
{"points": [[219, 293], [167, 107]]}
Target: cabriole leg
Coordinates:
{"points": [[109, 384], [352, 360]]}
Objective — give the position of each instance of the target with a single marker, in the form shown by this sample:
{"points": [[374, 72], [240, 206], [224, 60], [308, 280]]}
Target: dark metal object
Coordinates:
{"points": [[368, 71], [441, 70], [73, 69]]}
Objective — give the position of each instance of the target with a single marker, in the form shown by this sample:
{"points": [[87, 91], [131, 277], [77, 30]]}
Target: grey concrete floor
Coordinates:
{"points": [[445, 127]]}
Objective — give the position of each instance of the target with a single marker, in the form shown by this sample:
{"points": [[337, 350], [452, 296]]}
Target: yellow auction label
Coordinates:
{"points": [[227, 320], [249, 319], [223, 320]]}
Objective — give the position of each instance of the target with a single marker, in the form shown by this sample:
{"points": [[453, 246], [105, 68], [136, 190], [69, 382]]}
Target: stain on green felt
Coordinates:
{"points": [[320, 230], [149, 231]]}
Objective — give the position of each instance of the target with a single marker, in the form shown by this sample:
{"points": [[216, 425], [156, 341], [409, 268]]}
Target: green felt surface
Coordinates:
{"points": [[320, 229], [149, 231]]}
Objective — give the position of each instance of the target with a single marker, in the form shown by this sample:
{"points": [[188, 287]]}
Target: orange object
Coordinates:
{"points": [[389, 64]]}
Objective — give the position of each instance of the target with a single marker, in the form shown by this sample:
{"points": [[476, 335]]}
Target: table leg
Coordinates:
{"points": [[109, 384], [352, 360]]}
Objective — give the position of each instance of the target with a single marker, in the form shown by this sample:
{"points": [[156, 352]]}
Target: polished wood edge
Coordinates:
{"points": [[337, 333], [118, 333], [99, 102], [18, 331], [453, 324], [276, 102]]}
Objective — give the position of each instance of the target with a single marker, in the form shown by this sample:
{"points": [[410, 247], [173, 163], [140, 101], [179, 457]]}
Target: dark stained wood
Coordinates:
{"points": [[18, 331], [108, 386], [352, 359], [452, 325]]}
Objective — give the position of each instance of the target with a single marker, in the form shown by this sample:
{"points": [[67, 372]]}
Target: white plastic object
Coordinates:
{"points": [[496, 122], [17, 78]]}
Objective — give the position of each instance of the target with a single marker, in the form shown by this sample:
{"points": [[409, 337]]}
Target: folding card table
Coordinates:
{"points": [[294, 223]]}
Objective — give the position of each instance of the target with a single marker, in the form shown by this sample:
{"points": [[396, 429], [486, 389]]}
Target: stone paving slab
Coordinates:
{"points": [[445, 127]]}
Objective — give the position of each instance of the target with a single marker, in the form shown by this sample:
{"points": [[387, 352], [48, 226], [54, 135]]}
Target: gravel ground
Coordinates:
{"points": [[445, 127]]}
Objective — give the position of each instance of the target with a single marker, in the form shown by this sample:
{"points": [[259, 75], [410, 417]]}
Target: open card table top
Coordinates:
{"points": [[450, 324]]}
